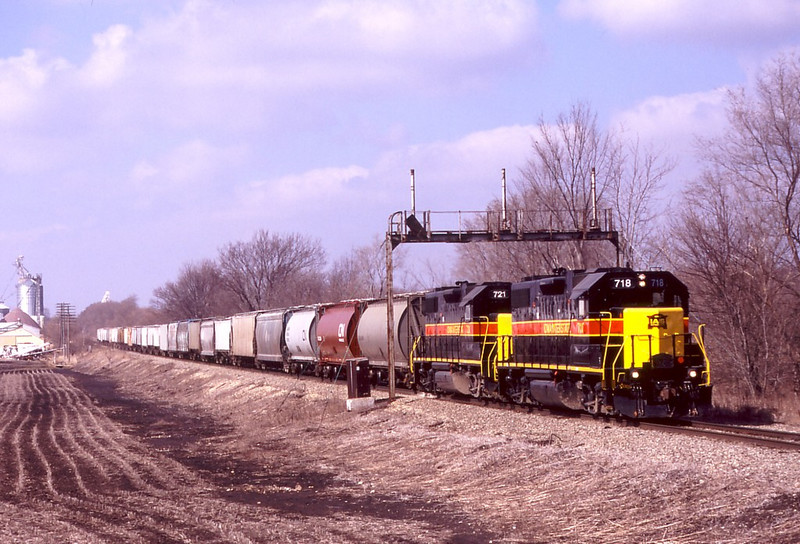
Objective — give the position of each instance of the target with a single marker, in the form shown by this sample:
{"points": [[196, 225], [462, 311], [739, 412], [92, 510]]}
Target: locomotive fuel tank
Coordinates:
{"points": [[557, 394], [457, 382]]}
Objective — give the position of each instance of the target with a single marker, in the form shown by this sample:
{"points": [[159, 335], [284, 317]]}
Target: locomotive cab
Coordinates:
{"points": [[658, 369]]}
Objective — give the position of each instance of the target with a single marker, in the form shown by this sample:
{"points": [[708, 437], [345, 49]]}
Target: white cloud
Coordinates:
{"points": [[310, 191], [185, 172], [742, 21], [671, 125], [451, 30], [677, 120], [107, 62], [351, 204], [463, 173], [22, 79], [295, 47]]}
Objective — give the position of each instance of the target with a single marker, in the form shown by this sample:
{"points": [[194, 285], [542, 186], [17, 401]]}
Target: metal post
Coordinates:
{"points": [[593, 222], [390, 310], [504, 223], [413, 194]]}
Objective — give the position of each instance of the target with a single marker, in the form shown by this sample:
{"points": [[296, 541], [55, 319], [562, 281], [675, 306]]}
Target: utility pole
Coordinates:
{"points": [[66, 315]]}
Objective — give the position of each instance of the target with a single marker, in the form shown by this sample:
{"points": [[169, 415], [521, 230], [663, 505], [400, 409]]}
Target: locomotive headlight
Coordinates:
{"points": [[635, 374], [692, 373]]}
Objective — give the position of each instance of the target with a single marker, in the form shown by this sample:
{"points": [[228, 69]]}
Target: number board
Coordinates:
{"points": [[499, 294], [623, 283]]}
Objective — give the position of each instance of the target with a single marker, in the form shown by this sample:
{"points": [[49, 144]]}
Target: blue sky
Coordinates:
{"points": [[138, 135]]}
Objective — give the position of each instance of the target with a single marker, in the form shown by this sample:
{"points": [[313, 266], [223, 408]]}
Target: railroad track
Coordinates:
{"points": [[784, 440], [770, 438]]}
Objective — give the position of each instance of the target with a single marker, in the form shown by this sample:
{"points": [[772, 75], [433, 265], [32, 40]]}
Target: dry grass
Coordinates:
{"points": [[265, 458]]}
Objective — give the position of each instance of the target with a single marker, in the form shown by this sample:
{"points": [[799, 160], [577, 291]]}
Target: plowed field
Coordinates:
{"points": [[69, 473]]}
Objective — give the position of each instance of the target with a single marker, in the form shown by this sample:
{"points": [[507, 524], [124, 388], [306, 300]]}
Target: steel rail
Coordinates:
{"points": [[769, 438]]}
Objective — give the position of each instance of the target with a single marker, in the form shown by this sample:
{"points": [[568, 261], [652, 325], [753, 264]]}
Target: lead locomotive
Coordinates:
{"points": [[608, 341]]}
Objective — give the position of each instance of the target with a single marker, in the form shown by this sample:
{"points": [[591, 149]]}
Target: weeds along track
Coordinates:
{"points": [[67, 469]]}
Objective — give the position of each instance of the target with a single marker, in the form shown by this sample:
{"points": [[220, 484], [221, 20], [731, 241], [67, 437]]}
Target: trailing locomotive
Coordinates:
{"points": [[608, 341]]}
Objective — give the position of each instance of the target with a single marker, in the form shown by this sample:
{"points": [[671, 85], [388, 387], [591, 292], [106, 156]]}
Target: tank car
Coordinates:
{"points": [[373, 335], [300, 338], [337, 338]]}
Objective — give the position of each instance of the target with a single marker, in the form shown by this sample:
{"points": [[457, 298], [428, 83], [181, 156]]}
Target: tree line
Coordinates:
{"points": [[732, 234]]}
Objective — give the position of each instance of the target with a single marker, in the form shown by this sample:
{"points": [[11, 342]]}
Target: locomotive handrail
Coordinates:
{"points": [[700, 342], [608, 345], [412, 354]]}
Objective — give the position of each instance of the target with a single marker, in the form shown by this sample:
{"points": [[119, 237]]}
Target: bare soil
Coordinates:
{"points": [[124, 447]]}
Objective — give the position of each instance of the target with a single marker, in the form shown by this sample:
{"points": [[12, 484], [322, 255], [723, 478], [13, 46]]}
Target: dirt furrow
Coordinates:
{"points": [[92, 472], [10, 465], [105, 443], [20, 433], [50, 466], [69, 478]]}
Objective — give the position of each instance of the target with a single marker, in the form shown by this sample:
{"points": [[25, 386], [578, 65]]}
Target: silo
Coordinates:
{"points": [[29, 296]]}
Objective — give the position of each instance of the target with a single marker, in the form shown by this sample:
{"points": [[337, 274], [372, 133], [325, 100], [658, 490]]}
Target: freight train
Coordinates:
{"points": [[610, 341]]}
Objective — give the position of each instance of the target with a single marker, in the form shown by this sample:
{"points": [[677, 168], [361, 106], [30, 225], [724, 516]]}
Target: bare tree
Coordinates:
{"points": [[731, 255], [744, 264], [126, 312], [555, 193], [266, 271], [558, 179], [198, 292], [633, 193], [762, 146], [359, 274]]}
